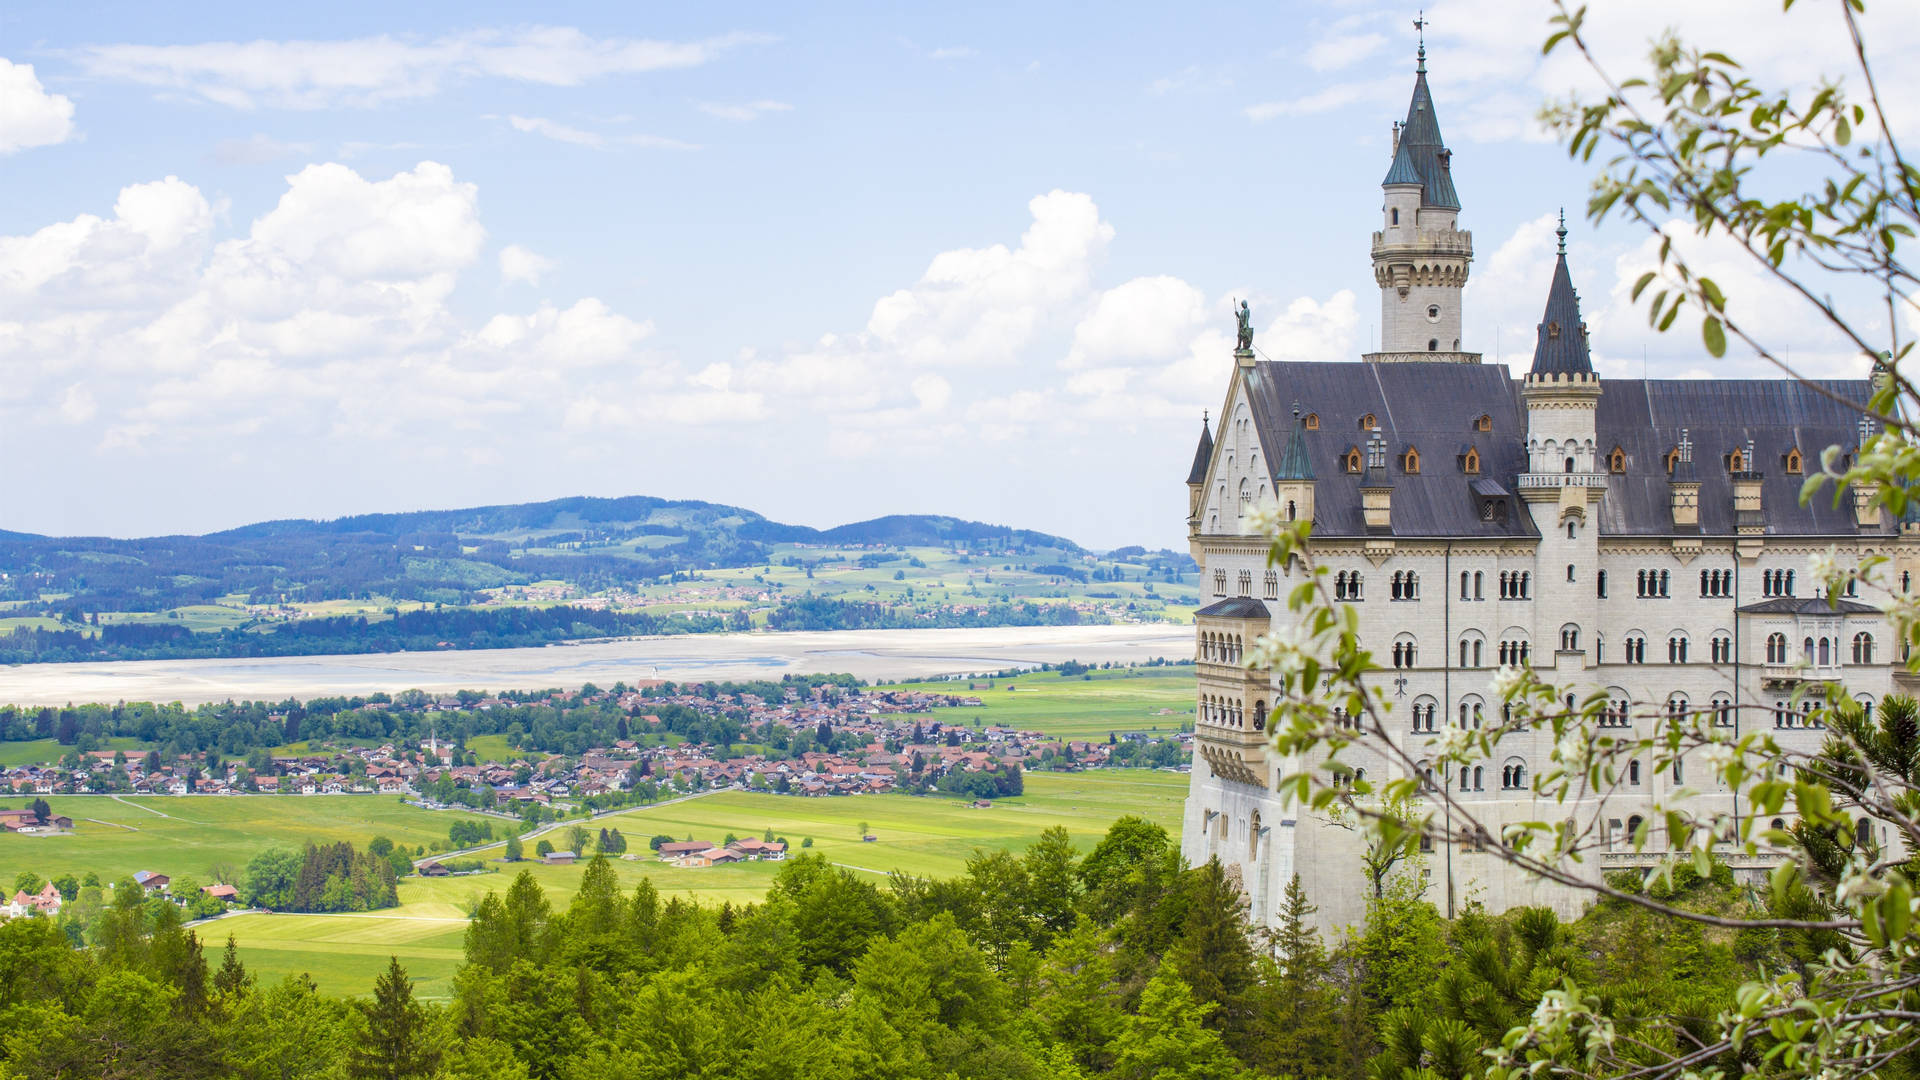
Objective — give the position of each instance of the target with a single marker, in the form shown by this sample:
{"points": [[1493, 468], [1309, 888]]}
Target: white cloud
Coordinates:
{"points": [[77, 405], [742, 113], [558, 132], [1343, 50], [256, 149], [519, 264], [369, 71], [29, 116], [1337, 96]]}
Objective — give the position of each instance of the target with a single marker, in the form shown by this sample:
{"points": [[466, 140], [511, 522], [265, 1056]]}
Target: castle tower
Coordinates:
{"points": [[1420, 259]]}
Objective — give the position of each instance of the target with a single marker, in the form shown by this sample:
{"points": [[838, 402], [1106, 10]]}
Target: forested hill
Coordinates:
{"points": [[443, 555]]}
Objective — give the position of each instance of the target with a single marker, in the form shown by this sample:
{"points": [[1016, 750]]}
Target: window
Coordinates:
{"points": [[1353, 459], [1863, 648], [1600, 583], [1433, 344], [1423, 714], [1405, 585], [1617, 461], [1826, 652], [1393, 216], [1479, 778], [1514, 584], [1403, 652], [1653, 584], [1676, 706], [1313, 421], [1346, 585], [1633, 773], [1368, 423], [1794, 461], [1569, 571], [1485, 423], [1477, 594], [1636, 649], [1272, 583], [1569, 638], [1514, 653], [1433, 312], [1716, 583], [1615, 714], [1463, 586], [1722, 649], [1677, 649], [1776, 583], [1513, 776], [1776, 648], [1736, 462], [1246, 583], [1673, 456], [1411, 461], [1470, 461], [1722, 710], [1219, 583]]}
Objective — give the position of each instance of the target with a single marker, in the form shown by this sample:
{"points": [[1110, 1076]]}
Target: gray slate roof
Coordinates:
{"points": [[1202, 457], [1562, 347], [1235, 607], [1808, 605], [1427, 151], [1433, 407]]}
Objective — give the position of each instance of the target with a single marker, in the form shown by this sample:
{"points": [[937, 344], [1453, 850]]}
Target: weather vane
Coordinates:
{"points": [[1420, 28]]}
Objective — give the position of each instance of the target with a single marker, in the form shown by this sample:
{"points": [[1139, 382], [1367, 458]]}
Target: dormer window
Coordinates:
{"points": [[1794, 461], [1313, 421], [1353, 459], [1470, 462], [1553, 330], [1617, 461], [1673, 458], [1485, 423], [1410, 462], [1367, 422], [1736, 462]]}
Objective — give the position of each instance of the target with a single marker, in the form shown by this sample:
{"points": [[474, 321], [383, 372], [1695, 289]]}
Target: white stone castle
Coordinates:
{"points": [[1641, 537]]}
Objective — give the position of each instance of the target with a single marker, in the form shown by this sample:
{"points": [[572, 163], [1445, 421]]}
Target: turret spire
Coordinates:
{"points": [[1562, 346], [1561, 232]]}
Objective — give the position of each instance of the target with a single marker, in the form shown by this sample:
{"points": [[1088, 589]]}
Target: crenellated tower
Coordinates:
{"points": [[1420, 256]]}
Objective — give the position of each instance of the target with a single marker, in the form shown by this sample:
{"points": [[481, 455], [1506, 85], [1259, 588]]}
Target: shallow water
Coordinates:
{"points": [[869, 654]]}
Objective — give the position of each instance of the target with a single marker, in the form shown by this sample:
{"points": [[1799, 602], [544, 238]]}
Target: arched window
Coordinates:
{"points": [[1485, 423], [1479, 778], [1863, 648], [1633, 773], [1394, 215], [1793, 461], [1411, 462], [1569, 536], [1677, 649], [1569, 638], [1367, 422], [1313, 421], [1633, 828], [1776, 648], [1433, 344], [1477, 582], [1600, 583], [1353, 459], [1722, 710], [1722, 649], [1676, 706], [1636, 649], [1826, 652], [1463, 585], [1470, 461], [1673, 456], [1259, 716], [1736, 462], [1617, 461]]}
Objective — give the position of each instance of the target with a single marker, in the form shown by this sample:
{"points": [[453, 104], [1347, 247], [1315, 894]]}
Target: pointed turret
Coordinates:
{"points": [[1293, 477], [1562, 346], [1420, 255], [1197, 476]]}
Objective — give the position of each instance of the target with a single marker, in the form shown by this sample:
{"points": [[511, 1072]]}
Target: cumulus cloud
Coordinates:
{"points": [[29, 116], [742, 113], [361, 72], [519, 264]]}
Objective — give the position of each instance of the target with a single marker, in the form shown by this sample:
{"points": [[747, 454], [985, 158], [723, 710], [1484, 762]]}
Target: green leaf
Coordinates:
{"points": [[1715, 335], [1646, 279]]}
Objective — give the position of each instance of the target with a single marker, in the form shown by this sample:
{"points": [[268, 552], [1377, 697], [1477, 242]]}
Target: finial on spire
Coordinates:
{"points": [[1205, 418], [1420, 28], [1296, 410], [1561, 232]]}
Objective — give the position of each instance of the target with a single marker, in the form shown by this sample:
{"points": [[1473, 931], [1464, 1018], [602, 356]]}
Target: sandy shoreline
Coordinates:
{"points": [[869, 654]]}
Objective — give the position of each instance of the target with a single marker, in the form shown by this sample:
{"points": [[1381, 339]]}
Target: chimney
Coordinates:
{"points": [[1683, 488], [1866, 513], [1746, 496], [1376, 488]]}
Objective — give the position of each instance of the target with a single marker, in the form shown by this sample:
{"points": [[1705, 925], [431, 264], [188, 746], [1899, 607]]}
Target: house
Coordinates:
{"points": [[223, 892], [433, 869], [151, 880], [45, 902], [676, 848], [558, 858]]}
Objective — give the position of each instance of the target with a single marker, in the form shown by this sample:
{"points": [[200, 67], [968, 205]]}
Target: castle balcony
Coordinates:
{"points": [[1790, 675], [1436, 241], [1555, 481], [1222, 674], [1236, 754]]}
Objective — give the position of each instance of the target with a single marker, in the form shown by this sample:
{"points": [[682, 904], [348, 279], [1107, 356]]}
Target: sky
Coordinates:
{"points": [[825, 262]]}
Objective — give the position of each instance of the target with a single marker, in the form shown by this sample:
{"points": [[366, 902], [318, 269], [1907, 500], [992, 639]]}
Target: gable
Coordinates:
{"points": [[1240, 476]]}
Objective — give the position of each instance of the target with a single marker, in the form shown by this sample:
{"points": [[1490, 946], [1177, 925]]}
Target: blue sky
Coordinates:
{"points": [[822, 262]]}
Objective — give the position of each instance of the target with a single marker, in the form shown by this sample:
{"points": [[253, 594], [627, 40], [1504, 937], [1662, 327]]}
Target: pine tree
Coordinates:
{"points": [[233, 978], [1169, 1039], [1212, 954], [393, 1039]]}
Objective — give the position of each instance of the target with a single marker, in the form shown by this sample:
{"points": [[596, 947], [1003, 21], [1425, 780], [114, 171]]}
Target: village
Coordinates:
{"points": [[882, 740]]}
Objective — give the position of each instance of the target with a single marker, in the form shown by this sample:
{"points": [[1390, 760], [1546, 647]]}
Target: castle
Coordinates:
{"points": [[1641, 537]]}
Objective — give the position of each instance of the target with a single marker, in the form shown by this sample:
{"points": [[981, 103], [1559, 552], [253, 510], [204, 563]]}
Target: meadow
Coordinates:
{"points": [[1090, 706], [925, 835]]}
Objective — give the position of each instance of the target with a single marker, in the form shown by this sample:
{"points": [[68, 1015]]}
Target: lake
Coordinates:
{"points": [[869, 654]]}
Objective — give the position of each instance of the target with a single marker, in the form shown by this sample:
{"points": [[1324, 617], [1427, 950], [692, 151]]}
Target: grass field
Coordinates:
{"points": [[919, 835], [113, 837], [1156, 699], [41, 751]]}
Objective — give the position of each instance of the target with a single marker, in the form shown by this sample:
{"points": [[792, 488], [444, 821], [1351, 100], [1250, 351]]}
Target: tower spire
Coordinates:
{"points": [[1561, 232], [1420, 28]]}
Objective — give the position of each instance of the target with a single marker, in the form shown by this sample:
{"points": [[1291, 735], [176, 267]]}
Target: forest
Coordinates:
{"points": [[1121, 963]]}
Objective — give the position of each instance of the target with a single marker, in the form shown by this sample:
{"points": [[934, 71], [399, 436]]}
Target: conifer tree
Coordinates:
{"points": [[393, 1037], [233, 978], [1169, 1039]]}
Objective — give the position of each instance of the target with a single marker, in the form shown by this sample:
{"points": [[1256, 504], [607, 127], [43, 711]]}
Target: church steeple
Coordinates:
{"points": [[1420, 256]]}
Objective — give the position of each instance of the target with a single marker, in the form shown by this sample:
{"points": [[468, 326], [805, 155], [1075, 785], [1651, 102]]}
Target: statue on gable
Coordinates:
{"points": [[1245, 315]]}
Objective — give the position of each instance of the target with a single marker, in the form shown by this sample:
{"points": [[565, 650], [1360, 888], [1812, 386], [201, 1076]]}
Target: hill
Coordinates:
{"points": [[534, 573]]}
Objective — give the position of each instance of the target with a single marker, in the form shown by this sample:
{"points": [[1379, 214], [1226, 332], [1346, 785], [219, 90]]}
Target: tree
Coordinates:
{"points": [[393, 1031], [544, 848], [578, 838], [233, 978], [515, 849], [1168, 1040]]}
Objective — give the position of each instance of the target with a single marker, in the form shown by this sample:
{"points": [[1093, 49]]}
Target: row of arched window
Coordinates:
{"points": [[1406, 585], [1514, 584], [1716, 583], [1776, 583], [1654, 583], [1346, 585], [1229, 713], [1821, 651], [1220, 648]]}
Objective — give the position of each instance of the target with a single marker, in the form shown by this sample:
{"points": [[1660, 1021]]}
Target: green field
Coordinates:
{"points": [[920, 835], [43, 751], [1151, 699], [113, 837]]}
